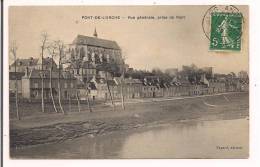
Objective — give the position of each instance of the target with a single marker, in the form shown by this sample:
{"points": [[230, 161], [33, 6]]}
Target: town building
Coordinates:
{"points": [[95, 69], [100, 88], [32, 84], [13, 77], [32, 63], [132, 88], [26, 64], [242, 75], [91, 54], [83, 71]]}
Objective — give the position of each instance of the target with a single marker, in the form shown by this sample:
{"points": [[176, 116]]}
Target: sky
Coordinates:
{"points": [[145, 43]]}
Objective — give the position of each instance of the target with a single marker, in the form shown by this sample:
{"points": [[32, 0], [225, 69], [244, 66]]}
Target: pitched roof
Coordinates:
{"points": [[33, 61], [46, 61], [25, 62], [94, 41], [55, 74], [128, 80]]}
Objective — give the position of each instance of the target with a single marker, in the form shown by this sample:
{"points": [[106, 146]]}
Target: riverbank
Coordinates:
{"points": [[51, 128], [175, 139]]}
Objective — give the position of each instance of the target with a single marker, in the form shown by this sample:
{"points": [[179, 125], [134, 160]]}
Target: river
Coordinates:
{"points": [[187, 139]]}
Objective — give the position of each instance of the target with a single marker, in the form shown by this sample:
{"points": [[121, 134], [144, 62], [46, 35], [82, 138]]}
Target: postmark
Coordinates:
{"points": [[222, 25]]}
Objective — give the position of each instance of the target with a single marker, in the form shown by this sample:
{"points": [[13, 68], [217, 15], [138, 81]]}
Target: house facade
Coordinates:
{"points": [[83, 71], [13, 77], [32, 84]]}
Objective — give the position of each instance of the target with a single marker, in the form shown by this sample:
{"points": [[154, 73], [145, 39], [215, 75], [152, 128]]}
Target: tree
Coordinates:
{"points": [[60, 46], [157, 71], [233, 75], [78, 98], [13, 49], [51, 50], [71, 67], [122, 83], [44, 37], [109, 91], [108, 68], [89, 107], [122, 89], [77, 95]]}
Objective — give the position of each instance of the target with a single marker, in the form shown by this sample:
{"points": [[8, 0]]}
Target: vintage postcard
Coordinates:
{"points": [[128, 82]]}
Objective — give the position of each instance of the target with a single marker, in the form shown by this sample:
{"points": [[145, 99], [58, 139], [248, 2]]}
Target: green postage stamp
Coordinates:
{"points": [[226, 31]]}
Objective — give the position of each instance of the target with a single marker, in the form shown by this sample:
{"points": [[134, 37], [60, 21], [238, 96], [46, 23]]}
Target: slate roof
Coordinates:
{"points": [[93, 41], [128, 80], [35, 74], [32, 61], [25, 62]]}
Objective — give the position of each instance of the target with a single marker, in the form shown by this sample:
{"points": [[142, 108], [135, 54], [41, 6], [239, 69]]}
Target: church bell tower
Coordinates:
{"points": [[95, 33]]}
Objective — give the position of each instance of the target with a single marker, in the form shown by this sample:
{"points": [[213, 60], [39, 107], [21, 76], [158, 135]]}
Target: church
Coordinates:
{"points": [[90, 56]]}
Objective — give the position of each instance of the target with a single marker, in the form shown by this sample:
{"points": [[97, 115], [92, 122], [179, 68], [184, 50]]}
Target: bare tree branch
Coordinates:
{"points": [[52, 51], [44, 38], [13, 49]]}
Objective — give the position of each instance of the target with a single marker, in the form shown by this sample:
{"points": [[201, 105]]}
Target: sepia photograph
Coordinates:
{"points": [[128, 82]]}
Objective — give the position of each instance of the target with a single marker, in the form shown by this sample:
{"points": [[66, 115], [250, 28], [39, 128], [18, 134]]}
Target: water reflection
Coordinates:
{"points": [[189, 139]]}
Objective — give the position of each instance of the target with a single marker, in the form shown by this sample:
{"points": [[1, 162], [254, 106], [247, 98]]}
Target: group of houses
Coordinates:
{"points": [[95, 70]]}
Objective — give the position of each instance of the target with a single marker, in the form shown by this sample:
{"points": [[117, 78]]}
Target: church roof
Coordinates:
{"points": [[94, 41]]}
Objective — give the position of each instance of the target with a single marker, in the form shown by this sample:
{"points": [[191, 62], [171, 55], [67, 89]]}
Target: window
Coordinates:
{"points": [[71, 85], [34, 94], [65, 94], [36, 85], [65, 85]]}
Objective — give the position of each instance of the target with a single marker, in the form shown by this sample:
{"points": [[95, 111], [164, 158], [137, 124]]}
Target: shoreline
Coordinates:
{"points": [[53, 118], [14, 152], [138, 129], [134, 117]]}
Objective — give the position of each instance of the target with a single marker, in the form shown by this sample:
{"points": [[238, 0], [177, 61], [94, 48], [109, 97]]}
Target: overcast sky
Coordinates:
{"points": [[146, 44]]}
